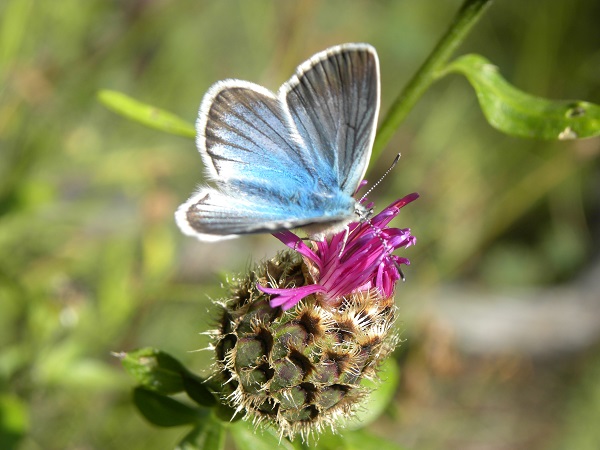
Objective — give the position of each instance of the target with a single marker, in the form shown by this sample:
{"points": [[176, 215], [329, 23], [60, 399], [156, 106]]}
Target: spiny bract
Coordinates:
{"points": [[298, 370]]}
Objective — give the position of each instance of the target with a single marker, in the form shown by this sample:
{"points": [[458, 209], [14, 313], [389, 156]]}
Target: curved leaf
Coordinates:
{"points": [[146, 114], [164, 411], [247, 437], [154, 369], [196, 389], [362, 440], [352, 440], [226, 413], [382, 393], [517, 113], [208, 435]]}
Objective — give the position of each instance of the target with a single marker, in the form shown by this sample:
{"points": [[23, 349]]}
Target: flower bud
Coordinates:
{"points": [[300, 369]]}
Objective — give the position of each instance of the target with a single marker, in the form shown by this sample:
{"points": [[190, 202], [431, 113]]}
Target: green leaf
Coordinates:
{"points": [[208, 435], [164, 411], [14, 25], [352, 440], [381, 394], [14, 420], [327, 441], [520, 114], [363, 440], [226, 413], [248, 437], [196, 389], [154, 369], [145, 114]]}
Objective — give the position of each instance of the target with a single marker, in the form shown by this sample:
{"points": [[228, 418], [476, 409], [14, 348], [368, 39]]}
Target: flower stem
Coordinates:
{"points": [[466, 17]]}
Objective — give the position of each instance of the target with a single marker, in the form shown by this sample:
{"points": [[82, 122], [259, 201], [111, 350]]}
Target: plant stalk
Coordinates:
{"points": [[469, 13]]}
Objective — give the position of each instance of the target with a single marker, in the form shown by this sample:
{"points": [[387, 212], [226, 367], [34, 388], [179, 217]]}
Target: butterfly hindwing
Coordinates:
{"points": [[214, 214]]}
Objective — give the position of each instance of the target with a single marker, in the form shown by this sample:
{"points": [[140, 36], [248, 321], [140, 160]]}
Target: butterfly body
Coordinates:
{"points": [[288, 159]]}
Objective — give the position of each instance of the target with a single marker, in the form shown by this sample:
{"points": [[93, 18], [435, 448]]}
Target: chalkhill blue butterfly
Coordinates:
{"points": [[291, 159]]}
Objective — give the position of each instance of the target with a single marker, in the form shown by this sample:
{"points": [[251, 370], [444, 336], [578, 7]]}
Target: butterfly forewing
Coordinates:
{"points": [[334, 102]]}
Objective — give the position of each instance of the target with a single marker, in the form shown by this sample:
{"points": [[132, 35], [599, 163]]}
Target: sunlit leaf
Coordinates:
{"points": [[145, 114], [352, 440], [520, 114], [381, 394], [246, 437], [154, 369], [164, 411], [363, 440], [14, 420], [208, 435], [327, 441]]}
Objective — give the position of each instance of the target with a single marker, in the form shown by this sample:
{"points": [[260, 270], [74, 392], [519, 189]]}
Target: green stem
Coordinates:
{"points": [[467, 16]]}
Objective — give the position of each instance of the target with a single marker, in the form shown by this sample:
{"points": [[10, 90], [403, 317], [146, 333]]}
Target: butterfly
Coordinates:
{"points": [[291, 159]]}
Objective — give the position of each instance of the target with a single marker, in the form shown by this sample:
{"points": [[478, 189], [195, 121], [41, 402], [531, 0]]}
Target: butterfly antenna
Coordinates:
{"points": [[396, 159], [402, 277], [368, 220]]}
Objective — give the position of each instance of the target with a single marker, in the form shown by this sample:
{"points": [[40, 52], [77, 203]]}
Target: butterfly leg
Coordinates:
{"points": [[343, 246]]}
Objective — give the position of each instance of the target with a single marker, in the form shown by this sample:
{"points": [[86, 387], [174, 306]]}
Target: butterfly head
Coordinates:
{"points": [[364, 212], [321, 231]]}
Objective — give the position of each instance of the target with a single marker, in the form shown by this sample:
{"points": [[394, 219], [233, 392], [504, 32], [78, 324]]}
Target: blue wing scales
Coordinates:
{"points": [[289, 160], [334, 102]]}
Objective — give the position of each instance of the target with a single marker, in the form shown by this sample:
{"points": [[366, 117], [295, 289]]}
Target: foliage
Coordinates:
{"points": [[160, 376], [92, 263], [519, 114]]}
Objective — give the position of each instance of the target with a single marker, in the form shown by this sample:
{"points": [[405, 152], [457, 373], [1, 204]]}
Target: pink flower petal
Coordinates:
{"points": [[357, 260]]}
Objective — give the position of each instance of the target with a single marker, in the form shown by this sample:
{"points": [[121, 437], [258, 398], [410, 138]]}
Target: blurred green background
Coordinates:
{"points": [[501, 308]]}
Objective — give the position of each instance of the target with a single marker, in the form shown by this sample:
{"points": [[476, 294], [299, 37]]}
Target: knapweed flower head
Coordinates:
{"points": [[293, 355], [358, 259]]}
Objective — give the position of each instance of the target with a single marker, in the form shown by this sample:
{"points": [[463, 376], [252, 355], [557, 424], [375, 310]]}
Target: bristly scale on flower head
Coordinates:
{"points": [[359, 260], [299, 370]]}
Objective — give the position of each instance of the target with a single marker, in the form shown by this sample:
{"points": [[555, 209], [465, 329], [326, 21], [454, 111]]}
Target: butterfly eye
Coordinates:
{"points": [[363, 212]]}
